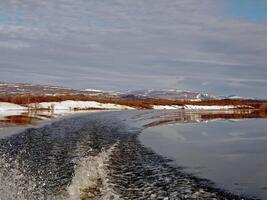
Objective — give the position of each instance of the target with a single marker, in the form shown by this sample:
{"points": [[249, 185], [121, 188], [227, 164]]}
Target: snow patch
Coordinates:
{"points": [[93, 90], [163, 107], [196, 107], [71, 105], [193, 107], [4, 106]]}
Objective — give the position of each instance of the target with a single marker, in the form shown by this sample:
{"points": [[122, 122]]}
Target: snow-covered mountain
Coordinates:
{"points": [[170, 94], [17, 89], [20, 89], [102, 93], [235, 97]]}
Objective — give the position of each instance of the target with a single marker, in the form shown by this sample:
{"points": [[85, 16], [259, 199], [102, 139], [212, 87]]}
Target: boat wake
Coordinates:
{"points": [[92, 157], [90, 180]]}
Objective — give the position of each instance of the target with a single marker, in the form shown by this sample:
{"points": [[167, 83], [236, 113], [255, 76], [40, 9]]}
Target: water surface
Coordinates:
{"points": [[230, 153], [107, 155]]}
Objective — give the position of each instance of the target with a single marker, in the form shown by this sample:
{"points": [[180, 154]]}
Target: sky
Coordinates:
{"points": [[213, 46]]}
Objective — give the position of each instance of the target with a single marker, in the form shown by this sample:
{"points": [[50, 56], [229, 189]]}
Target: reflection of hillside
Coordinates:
{"points": [[25, 118], [200, 116]]}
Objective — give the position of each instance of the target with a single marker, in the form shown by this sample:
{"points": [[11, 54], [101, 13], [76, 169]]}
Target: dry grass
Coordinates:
{"points": [[263, 110], [244, 115], [263, 107], [246, 103], [19, 120], [24, 100], [208, 116], [136, 103]]}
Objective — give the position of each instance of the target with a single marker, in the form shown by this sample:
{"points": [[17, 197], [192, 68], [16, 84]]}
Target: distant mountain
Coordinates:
{"points": [[18, 89], [234, 97], [170, 94], [102, 93]]}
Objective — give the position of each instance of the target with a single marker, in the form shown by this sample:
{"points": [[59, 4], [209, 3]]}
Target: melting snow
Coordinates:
{"points": [[10, 106], [162, 107], [196, 107], [71, 105], [10, 109], [93, 90], [192, 107]]}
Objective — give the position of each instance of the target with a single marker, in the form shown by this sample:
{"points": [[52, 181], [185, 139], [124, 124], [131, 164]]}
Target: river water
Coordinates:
{"points": [[231, 154], [136, 155]]}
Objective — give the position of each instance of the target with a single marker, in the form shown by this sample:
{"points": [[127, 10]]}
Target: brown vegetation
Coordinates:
{"points": [[24, 100], [223, 102], [241, 115], [263, 110], [19, 119], [134, 102], [206, 116], [263, 107]]}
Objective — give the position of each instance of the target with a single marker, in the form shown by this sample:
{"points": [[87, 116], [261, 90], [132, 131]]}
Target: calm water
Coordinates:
{"points": [[232, 154]]}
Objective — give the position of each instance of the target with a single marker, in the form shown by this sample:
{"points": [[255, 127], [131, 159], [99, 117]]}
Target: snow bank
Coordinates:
{"points": [[196, 107], [93, 90], [71, 105], [10, 109], [193, 107], [10, 106], [162, 107]]}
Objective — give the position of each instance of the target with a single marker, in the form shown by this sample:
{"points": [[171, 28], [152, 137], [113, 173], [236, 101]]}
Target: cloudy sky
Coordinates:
{"points": [[215, 46]]}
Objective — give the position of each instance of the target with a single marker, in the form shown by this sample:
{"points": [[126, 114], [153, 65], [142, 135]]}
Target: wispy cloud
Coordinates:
{"points": [[121, 44]]}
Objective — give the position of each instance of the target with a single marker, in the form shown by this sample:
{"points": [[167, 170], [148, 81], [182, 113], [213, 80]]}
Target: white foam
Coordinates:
{"points": [[91, 173]]}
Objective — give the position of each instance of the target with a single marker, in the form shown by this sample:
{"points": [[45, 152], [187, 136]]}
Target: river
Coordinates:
{"points": [[136, 155]]}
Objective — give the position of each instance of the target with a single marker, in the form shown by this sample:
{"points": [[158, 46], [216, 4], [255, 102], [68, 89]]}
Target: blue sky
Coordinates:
{"points": [[252, 10], [214, 46]]}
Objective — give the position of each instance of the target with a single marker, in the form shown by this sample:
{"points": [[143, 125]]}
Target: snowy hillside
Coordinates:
{"points": [[171, 94], [20, 89]]}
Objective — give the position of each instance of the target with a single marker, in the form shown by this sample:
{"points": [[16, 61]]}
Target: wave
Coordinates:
{"points": [[90, 180]]}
